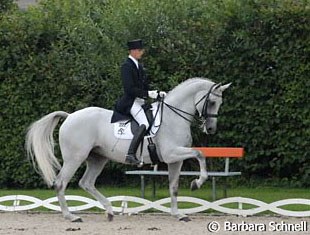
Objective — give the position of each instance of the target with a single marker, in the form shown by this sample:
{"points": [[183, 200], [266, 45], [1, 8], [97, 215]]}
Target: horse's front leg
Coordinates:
{"points": [[183, 153], [174, 175], [197, 183]]}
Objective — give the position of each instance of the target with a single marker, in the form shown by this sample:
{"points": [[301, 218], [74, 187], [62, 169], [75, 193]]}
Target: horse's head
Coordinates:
{"points": [[208, 105]]}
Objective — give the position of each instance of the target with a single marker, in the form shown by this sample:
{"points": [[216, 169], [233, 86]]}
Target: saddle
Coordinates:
{"points": [[126, 128]]}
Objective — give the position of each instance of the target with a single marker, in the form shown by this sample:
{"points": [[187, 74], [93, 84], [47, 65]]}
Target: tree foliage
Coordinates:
{"points": [[64, 56]]}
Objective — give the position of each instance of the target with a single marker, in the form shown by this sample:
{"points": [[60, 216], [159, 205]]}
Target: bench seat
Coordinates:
{"points": [[186, 173]]}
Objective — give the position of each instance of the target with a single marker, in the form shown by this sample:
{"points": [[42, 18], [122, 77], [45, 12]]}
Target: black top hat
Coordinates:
{"points": [[135, 44]]}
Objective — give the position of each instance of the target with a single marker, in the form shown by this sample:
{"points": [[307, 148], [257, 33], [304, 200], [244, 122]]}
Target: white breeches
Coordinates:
{"points": [[137, 112]]}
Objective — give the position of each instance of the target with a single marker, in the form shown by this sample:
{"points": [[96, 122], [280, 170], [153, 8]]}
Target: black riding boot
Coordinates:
{"points": [[137, 138]]}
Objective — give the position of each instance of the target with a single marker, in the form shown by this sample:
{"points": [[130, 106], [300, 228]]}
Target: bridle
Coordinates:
{"points": [[204, 112]]}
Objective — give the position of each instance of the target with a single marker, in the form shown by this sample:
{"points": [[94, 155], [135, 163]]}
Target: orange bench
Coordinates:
{"points": [[208, 152], [221, 151]]}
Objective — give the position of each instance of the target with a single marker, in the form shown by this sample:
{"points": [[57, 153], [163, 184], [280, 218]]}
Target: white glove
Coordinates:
{"points": [[162, 94], [153, 94]]}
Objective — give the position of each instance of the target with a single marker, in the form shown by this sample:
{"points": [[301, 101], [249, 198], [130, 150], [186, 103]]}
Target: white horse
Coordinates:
{"points": [[87, 135]]}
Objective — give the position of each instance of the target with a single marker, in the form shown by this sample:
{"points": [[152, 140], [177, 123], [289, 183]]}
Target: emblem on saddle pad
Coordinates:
{"points": [[124, 129]]}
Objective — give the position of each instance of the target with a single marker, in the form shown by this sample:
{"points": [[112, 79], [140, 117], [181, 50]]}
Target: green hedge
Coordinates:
{"points": [[64, 56], [6, 5]]}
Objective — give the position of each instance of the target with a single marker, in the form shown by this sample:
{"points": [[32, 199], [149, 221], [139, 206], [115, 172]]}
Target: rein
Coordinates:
{"points": [[180, 112]]}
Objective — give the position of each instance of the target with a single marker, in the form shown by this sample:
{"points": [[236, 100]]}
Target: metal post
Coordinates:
{"points": [[225, 187], [154, 188], [227, 165], [142, 186], [213, 189]]}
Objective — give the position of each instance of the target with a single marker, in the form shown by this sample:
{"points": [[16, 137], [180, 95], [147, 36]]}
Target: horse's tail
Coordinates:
{"points": [[40, 145]]}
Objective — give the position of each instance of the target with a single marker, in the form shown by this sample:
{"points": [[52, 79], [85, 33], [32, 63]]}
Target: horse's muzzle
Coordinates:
{"points": [[209, 130]]}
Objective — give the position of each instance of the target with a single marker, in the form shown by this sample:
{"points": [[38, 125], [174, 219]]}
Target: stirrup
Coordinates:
{"points": [[132, 160]]}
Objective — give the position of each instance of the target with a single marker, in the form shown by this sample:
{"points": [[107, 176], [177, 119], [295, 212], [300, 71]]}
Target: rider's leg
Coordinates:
{"points": [[138, 114], [131, 155]]}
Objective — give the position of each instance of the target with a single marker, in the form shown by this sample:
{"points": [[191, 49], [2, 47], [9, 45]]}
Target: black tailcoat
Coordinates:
{"points": [[135, 84]]}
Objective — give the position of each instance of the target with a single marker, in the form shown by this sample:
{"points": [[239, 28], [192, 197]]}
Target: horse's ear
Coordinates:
{"points": [[217, 86], [224, 87]]}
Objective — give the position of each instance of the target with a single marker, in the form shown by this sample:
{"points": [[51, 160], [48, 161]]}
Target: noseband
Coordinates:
{"points": [[204, 112]]}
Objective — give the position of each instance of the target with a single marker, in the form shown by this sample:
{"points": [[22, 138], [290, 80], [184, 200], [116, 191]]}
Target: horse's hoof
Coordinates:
{"points": [[73, 218], [185, 219], [110, 217], [77, 220], [194, 185]]}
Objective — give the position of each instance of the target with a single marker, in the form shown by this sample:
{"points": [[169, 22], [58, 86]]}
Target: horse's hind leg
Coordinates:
{"points": [[63, 178], [95, 164]]}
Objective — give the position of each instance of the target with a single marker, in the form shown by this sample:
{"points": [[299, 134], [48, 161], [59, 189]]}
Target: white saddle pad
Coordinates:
{"points": [[122, 129]]}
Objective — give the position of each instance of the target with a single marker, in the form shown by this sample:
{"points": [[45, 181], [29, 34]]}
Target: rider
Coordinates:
{"points": [[136, 90]]}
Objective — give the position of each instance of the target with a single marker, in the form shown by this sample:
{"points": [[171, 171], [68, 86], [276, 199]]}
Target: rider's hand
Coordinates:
{"points": [[162, 94], [153, 94]]}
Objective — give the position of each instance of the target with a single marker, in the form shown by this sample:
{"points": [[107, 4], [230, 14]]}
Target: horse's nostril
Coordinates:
{"points": [[211, 130]]}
